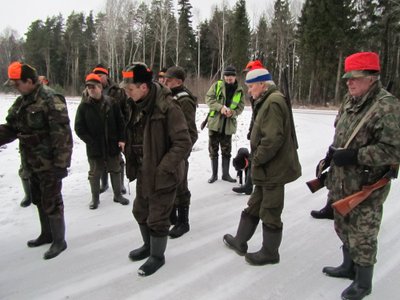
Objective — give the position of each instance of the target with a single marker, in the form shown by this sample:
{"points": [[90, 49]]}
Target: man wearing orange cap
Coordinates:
{"points": [[112, 90], [157, 144], [99, 123], [39, 119], [365, 145]]}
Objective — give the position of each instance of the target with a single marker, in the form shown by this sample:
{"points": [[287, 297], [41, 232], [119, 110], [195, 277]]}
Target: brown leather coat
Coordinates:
{"points": [[166, 142]]}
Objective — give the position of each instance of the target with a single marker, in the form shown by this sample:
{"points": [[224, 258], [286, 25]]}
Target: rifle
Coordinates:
{"points": [[317, 183], [286, 91], [345, 205], [204, 123]]}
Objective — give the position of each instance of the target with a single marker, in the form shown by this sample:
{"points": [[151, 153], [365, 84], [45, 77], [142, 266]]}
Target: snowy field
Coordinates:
{"points": [[198, 265]]}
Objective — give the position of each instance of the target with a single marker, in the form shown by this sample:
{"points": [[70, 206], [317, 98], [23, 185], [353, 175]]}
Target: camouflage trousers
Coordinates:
{"points": [[153, 211], [46, 193], [99, 165], [267, 204], [182, 193], [359, 229], [216, 140]]}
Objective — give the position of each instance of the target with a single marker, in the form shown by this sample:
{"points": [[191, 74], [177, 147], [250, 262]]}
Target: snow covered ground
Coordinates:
{"points": [[198, 265]]}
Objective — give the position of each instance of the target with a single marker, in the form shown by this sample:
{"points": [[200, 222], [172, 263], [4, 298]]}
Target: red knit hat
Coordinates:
{"points": [[361, 64], [252, 65]]}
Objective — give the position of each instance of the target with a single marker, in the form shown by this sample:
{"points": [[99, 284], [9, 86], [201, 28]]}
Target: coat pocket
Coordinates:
{"points": [[35, 117], [168, 180]]}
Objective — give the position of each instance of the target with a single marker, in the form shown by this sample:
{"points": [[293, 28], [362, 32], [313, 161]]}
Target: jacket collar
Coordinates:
{"points": [[356, 104]]}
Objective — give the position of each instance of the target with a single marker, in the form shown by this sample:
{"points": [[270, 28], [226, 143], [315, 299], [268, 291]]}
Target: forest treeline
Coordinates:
{"points": [[309, 46]]}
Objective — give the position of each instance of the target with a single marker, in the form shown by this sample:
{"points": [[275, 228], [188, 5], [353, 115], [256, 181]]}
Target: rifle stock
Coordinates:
{"points": [[315, 185], [345, 205]]}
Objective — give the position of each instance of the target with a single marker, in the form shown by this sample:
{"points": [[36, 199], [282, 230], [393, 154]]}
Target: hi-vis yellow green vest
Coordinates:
{"points": [[215, 99]]}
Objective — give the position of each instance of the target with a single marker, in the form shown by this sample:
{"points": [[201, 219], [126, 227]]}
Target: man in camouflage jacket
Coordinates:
{"points": [[368, 157], [39, 119]]}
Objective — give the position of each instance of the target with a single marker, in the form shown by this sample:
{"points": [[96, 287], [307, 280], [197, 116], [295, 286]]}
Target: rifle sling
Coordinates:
{"points": [[362, 121]]}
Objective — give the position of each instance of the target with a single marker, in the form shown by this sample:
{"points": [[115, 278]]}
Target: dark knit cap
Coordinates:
{"points": [[176, 72], [230, 71], [137, 73]]}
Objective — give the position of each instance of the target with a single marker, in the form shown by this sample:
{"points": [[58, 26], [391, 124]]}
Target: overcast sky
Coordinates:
{"points": [[19, 14]]}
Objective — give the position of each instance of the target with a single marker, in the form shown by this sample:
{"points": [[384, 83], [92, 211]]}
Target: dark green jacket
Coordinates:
{"points": [[274, 154], [188, 104], [100, 125], [40, 121]]}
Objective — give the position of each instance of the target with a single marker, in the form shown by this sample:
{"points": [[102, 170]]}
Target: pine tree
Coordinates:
{"points": [[325, 31], [282, 36], [240, 36], [186, 50]]}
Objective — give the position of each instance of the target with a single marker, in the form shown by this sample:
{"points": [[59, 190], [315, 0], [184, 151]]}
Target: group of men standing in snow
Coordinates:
{"points": [[153, 125]]}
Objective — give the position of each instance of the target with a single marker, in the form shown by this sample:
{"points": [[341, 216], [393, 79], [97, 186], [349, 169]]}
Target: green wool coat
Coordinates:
{"points": [[274, 154]]}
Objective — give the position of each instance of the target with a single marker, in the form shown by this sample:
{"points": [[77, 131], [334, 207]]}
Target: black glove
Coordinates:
{"points": [[59, 173], [322, 178], [345, 157], [324, 163]]}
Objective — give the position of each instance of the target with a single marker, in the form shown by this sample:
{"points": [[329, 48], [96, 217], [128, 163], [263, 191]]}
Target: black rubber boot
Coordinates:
{"points": [[345, 270], [59, 244], [269, 252], [247, 227], [173, 217], [143, 251], [27, 200], [116, 185], [247, 188], [361, 286], [123, 189], [182, 225], [225, 170], [45, 236], [324, 213], [95, 189], [214, 168], [157, 258], [104, 182]]}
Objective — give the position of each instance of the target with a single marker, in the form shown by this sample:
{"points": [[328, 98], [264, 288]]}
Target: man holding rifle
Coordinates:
{"points": [[365, 146]]}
